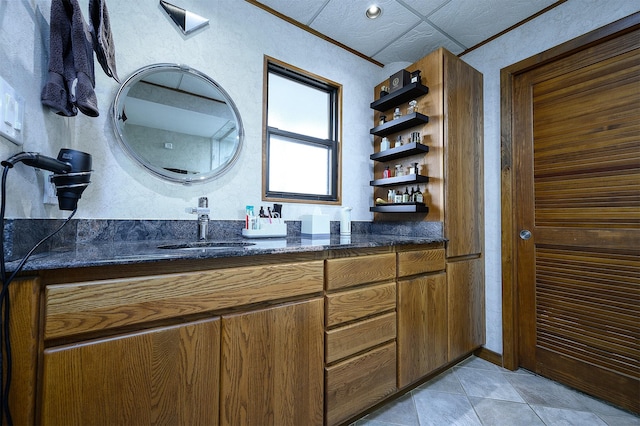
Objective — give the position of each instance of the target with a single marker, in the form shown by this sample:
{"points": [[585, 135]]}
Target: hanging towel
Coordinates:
{"points": [[71, 80], [102, 38]]}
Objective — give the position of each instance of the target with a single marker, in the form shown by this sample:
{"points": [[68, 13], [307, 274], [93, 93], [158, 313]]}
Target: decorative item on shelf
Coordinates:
{"points": [[385, 144], [386, 173], [383, 119], [415, 137], [397, 113], [391, 195], [399, 80], [418, 196], [399, 171], [413, 107], [414, 170], [398, 142], [384, 91], [415, 76]]}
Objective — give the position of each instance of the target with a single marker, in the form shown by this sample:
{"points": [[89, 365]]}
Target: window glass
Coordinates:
{"points": [[297, 108], [309, 164], [301, 147]]}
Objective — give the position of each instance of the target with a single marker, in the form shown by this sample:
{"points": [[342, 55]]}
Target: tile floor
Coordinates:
{"points": [[476, 392]]}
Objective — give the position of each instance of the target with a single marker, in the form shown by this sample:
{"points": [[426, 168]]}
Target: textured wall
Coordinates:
{"points": [[565, 22], [231, 51]]}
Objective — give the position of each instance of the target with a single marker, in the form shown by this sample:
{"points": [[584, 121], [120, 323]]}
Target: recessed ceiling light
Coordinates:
{"points": [[373, 11]]}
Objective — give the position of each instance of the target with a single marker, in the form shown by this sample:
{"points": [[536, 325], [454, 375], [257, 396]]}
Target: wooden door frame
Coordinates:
{"points": [[510, 314]]}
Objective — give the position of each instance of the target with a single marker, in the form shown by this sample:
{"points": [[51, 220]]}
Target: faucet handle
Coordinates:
{"points": [[197, 210]]}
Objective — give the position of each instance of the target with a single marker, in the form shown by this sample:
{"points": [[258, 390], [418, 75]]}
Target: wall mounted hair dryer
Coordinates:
{"points": [[71, 173]]}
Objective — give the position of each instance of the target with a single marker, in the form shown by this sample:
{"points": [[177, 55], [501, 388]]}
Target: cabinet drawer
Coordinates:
{"points": [[72, 309], [359, 383], [360, 303], [353, 338], [420, 261], [351, 271]]}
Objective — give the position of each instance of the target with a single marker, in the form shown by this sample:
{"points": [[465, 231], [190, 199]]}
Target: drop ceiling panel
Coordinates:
{"points": [[416, 44], [471, 21], [345, 21]]}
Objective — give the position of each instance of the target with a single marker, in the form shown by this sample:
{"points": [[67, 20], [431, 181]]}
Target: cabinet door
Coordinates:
{"points": [[465, 283], [463, 160], [272, 366], [167, 375], [422, 327]]}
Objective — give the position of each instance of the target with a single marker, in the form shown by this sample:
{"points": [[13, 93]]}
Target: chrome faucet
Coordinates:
{"points": [[203, 216]]}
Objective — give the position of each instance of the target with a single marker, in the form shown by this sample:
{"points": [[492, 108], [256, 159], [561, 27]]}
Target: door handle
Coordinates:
{"points": [[525, 234]]}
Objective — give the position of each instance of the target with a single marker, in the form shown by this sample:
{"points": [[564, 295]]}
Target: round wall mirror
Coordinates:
{"points": [[178, 123]]}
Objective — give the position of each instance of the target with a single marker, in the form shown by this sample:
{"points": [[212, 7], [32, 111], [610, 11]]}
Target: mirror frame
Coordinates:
{"points": [[140, 74]]}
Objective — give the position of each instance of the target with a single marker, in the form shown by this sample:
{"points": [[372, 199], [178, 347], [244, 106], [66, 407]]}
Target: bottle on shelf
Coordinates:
{"points": [[413, 107], [397, 198], [399, 171], [398, 141], [385, 144], [419, 198], [397, 113], [391, 196], [386, 173], [405, 196], [415, 76]]}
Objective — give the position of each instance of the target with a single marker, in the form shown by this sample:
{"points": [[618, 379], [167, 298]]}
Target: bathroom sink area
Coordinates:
{"points": [[206, 245]]}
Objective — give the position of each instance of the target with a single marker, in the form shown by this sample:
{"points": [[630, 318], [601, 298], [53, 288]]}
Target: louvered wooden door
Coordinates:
{"points": [[577, 160]]}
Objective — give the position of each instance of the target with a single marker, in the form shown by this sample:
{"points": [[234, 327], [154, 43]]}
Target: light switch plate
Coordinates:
{"points": [[11, 113]]}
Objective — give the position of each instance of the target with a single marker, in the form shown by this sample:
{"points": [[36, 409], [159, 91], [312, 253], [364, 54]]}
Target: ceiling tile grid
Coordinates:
{"points": [[416, 44], [408, 29], [345, 20], [424, 8]]}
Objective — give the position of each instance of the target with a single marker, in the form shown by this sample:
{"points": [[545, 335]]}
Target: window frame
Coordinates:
{"points": [[333, 143]]}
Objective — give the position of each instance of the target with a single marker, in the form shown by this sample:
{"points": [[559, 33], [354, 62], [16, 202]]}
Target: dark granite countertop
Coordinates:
{"points": [[119, 253]]}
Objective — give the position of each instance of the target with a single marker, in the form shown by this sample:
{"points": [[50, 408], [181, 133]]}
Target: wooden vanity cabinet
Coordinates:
{"points": [[280, 340], [360, 334], [222, 345], [167, 375]]}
